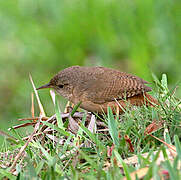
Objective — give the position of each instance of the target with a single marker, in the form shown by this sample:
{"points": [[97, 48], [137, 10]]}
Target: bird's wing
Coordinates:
{"points": [[106, 87]]}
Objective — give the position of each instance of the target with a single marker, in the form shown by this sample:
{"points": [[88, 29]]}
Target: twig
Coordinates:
{"points": [[101, 124], [168, 145], [26, 144], [63, 115], [50, 120], [35, 118], [101, 130], [22, 125]]}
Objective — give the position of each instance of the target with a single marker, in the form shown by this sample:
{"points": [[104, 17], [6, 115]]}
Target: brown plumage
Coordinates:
{"points": [[98, 87]]}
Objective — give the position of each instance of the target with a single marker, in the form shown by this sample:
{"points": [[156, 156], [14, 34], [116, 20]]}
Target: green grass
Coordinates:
{"points": [[42, 37], [87, 155]]}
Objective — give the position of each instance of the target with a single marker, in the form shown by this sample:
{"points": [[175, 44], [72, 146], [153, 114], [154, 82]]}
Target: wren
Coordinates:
{"points": [[99, 87]]}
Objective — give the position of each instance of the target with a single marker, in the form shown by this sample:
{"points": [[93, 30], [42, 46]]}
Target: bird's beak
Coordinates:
{"points": [[44, 86]]}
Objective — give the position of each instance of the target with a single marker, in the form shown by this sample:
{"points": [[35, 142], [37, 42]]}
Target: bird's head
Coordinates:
{"points": [[61, 83]]}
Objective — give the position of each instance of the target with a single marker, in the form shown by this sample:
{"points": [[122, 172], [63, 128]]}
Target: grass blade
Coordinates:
{"points": [[178, 146], [5, 173], [75, 108], [92, 136], [172, 172], [113, 127], [125, 167], [61, 131]]}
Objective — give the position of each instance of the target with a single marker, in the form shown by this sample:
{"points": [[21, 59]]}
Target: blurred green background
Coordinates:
{"points": [[42, 37]]}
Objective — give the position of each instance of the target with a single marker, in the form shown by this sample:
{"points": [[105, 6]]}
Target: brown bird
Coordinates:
{"points": [[99, 87]]}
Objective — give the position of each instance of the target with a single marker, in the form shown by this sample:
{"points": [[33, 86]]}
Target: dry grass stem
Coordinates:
{"points": [[42, 112], [25, 145]]}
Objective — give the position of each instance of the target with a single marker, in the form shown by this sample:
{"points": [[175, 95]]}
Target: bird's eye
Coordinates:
{"points": [[60, 86]]}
